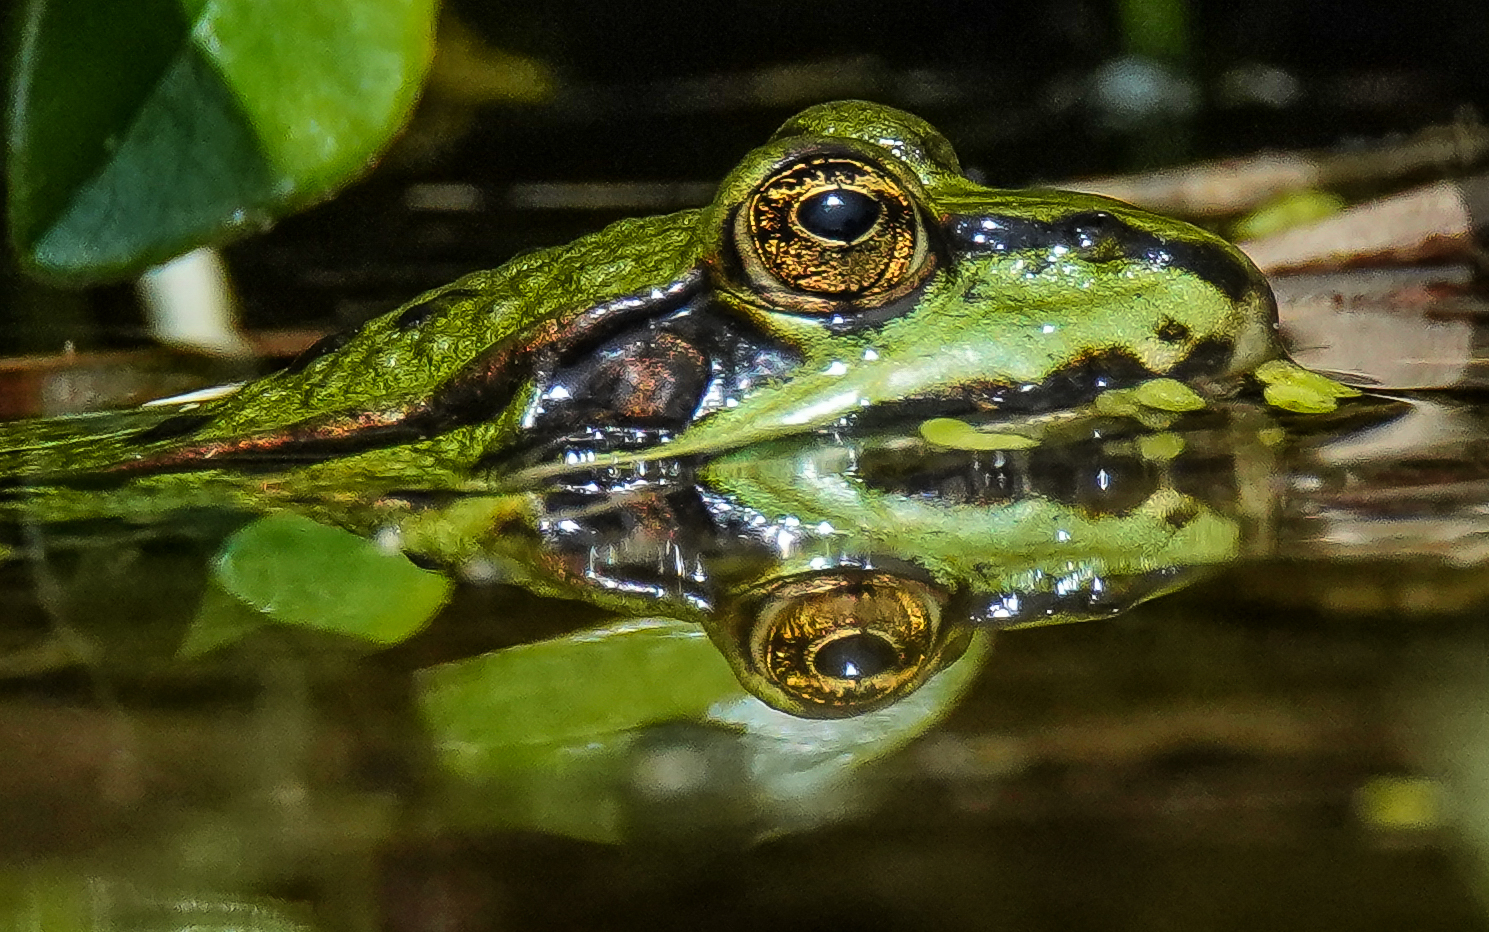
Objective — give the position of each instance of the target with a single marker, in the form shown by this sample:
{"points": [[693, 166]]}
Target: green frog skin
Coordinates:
{"points": [[846, 271]]}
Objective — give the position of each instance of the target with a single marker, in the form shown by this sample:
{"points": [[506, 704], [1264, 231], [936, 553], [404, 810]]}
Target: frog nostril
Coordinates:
{"points": [[839, 214]]}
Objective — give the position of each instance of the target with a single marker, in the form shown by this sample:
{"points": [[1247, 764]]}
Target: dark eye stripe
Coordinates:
{"points": [[1083, 477], [1102, 237], [1099, 486]]}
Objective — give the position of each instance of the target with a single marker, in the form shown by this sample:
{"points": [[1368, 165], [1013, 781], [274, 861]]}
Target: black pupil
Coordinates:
{"points": [[855, 657], [838, 214]]}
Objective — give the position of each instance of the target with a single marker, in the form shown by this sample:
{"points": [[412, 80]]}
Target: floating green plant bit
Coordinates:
{"points": [[1292, 388], [1290, 210], [1160, 448], [1167, 395], [959, 435]]}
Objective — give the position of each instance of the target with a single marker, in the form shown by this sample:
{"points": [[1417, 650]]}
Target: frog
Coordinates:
{"points": [[847, 272], [846, 276]]}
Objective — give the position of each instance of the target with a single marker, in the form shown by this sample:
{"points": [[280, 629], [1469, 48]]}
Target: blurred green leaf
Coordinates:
{"points": [[540, 735], [139, 130], [572, 689], [1287, 211], [221, 619], [534, 734], [289, 569]]}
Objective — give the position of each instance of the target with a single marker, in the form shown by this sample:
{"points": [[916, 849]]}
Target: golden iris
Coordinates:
{"points": [[834, 227]]}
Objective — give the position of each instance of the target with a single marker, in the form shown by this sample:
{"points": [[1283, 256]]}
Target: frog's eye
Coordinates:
{"points": [[834, 228], [838, 644]]}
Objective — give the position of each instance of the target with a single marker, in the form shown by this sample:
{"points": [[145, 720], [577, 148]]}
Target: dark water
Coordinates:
{"points": [[209, 716]]}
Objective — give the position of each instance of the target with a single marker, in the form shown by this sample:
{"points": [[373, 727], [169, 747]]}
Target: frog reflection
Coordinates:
{"points": [[838, 576]]}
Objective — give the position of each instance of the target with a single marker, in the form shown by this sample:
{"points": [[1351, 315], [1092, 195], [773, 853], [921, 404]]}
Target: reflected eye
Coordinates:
{"points": [[855, 656], [837, 644], [833, 227]]}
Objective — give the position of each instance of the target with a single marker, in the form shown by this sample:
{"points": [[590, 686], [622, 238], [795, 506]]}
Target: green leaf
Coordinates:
{"points": [[324, 84], [139, 130], [295, 571]]}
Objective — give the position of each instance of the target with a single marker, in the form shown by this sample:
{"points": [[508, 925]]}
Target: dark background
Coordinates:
{"points": [[675, 93]]}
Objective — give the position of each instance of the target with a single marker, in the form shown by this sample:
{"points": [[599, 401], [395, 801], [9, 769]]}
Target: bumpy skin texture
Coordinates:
{"points": [[386, 368], [666, 336]]}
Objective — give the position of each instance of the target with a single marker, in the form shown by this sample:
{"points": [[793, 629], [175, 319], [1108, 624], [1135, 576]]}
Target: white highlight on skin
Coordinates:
{"points": [[822, 408]]}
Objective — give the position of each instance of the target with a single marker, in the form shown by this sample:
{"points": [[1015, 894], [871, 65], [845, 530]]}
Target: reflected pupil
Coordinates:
{"points": [[856, 657], [840, 214]]}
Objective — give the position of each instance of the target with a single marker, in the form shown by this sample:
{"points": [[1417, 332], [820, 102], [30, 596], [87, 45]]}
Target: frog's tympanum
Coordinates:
{"points": [[845, 270], [846, 275]]}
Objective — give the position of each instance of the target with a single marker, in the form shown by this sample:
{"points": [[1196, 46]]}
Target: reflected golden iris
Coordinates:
{"points": [[838, 644], [831, 229]]}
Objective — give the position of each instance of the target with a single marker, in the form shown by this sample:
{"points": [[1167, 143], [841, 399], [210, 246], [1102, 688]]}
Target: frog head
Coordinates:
{"points": [[854, 238], [848, 270]]}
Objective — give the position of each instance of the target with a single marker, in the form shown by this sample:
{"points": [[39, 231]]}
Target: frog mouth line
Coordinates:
{"points": [[468, 402], [1073, 386]]}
